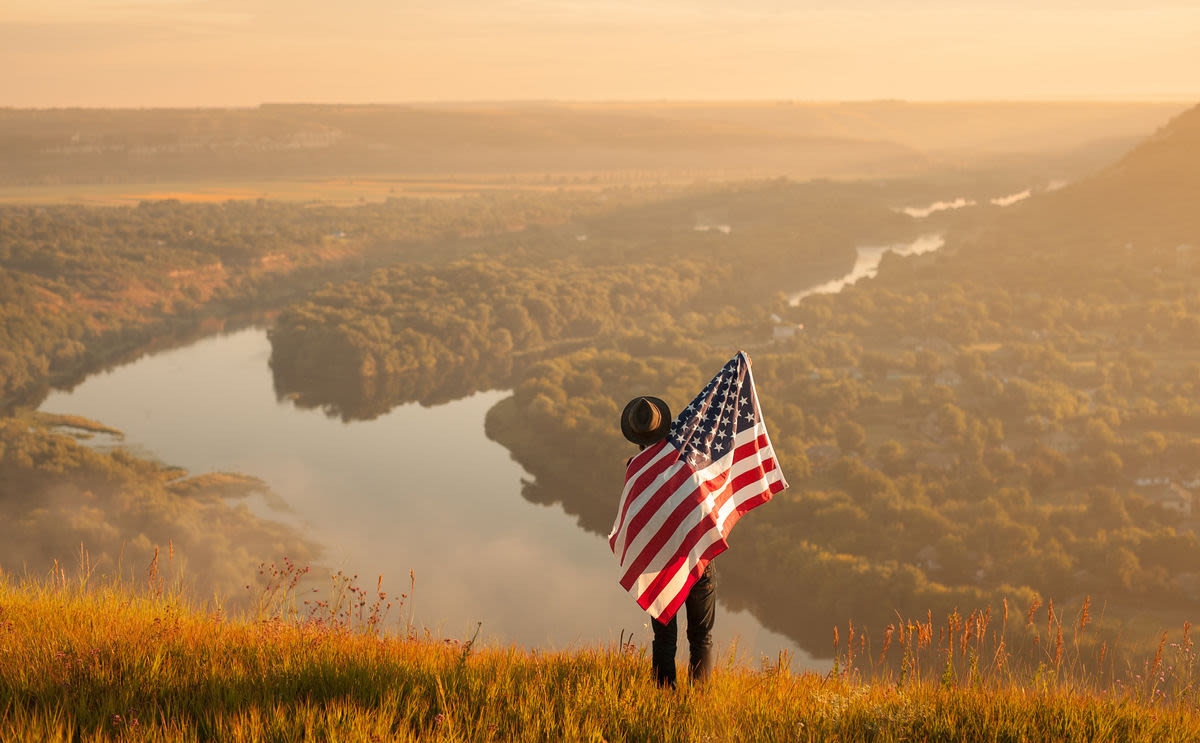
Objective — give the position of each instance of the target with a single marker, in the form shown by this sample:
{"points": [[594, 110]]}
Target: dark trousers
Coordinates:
{"points": [[701, 608]]}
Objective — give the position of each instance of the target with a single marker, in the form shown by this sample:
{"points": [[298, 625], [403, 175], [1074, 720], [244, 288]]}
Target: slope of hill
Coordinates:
{"points": [[98, 663], [1150, 198]]}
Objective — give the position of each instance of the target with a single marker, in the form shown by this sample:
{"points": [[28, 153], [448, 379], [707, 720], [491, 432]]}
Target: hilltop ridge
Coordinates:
{"points": [[1148, 196], [803, 140], [103, 662]]}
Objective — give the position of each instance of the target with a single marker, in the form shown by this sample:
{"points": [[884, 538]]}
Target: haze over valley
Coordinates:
{"points": [[268, 348]]}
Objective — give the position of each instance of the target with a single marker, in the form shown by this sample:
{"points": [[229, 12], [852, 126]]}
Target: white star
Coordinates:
{"points": [[744, 401]]}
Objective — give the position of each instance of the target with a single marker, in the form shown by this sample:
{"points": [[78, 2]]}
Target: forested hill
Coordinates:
{"points": [[1148, 199]]}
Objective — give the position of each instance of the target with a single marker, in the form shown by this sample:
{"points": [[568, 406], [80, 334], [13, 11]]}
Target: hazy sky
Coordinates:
{"points": [[243, 52]]}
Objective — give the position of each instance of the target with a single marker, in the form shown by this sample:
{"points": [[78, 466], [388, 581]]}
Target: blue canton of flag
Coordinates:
{"points": [[683, 494], [704, 430]]}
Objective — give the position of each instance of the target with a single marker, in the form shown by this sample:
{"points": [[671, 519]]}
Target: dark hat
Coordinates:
{"points": [[645, 420]]}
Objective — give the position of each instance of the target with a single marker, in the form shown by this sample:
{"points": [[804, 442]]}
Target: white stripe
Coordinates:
{"points": [[756, 488], [652, 526], [761, 424], [702, 509], [642, 496], [675, 584]]}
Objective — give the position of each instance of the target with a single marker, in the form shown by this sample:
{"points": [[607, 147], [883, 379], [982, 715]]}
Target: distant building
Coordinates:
{"points": [[784, 330], [948, 377], [1185, 255], [1172, 497], [1061, 441], [927, 558], [938, 460], [1149, 477], [822, 455]]}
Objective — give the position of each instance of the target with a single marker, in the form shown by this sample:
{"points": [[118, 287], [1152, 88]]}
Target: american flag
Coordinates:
{"points": [[684, 493]]}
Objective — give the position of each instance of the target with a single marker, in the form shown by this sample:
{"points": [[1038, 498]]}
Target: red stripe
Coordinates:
{"points": [[652, 504], [706, 524], [639, 460], [694, 574], [687, 506], [651, 594], [643, 481], [749, 504], [678, 559]]}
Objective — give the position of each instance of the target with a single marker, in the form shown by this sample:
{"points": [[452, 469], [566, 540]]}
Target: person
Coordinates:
{"points": [[645, 421]]}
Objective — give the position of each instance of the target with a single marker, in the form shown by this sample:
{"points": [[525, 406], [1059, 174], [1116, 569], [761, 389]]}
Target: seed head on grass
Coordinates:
{"points": [[1037, 604]]}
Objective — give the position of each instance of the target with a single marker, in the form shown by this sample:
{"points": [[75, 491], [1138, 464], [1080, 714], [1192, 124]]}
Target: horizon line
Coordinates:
{"points": [[1166, 99]]}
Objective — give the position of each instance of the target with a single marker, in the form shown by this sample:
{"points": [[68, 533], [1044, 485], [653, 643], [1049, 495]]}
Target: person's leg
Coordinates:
{"points": [[662, 651], [701, 608]]}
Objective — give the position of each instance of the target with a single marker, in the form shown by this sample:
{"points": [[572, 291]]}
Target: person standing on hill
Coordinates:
{"points": [[646, 421]]}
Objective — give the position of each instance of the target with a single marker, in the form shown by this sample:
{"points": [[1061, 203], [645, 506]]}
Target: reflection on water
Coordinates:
{"points": [[920, 212], [1012, 198], [417, 488], [866, 265]]}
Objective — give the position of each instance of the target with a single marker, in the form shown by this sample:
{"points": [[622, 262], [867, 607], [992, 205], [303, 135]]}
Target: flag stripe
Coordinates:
{"points": [[714, 525], [645, 467], [671, 598], [675, 501], [668, 603], [663, 496], [683, 496], [700, 504], [699, 500]]}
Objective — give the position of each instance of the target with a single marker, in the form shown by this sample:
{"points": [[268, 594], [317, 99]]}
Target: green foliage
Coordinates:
{"points": [[59, 494]]}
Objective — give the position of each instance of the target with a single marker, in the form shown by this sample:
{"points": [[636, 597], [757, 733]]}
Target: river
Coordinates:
{"points": [[420, 489], [866, 264]]}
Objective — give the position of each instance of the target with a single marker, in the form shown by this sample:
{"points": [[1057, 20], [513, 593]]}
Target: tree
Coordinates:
{"points": [[851, 437]]}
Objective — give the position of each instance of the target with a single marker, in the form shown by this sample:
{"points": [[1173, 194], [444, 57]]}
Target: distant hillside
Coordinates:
{"points": [[1149, 198], [877, 139], [70, 146]]}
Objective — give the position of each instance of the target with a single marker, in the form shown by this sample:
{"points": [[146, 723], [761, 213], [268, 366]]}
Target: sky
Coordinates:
{"points": [[244, 52]]}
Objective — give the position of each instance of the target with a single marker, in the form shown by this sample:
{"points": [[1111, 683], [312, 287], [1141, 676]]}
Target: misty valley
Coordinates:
{"points": [[982, 380]]}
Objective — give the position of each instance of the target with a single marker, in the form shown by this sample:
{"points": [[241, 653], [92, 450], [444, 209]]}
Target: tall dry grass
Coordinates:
{"points": [[1044, 650], [87, 659]]}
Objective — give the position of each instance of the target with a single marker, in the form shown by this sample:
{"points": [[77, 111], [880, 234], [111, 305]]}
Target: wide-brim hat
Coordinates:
{"points": [[645, 420]]}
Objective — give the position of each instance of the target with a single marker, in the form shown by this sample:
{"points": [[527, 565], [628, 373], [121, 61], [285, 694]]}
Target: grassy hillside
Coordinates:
{"points": [[87, 662]]}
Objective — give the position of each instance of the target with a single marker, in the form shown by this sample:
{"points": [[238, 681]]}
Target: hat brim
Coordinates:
{"points": [[645, 438]]}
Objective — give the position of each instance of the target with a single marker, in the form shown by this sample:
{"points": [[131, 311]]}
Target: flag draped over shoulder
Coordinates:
{"points": [[683, 494]]}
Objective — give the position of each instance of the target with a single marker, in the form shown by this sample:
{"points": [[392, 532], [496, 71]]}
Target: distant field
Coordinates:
{"points": [[307, 151], [332, 190]]}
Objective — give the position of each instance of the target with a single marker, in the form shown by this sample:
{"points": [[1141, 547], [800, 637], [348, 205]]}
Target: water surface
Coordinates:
{"points": [[866, 264], [419, 489]]}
